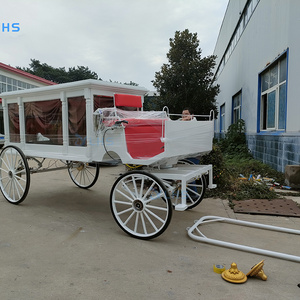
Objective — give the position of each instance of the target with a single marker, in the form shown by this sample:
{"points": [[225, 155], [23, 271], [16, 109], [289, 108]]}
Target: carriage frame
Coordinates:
{"points": [[63, 127]]}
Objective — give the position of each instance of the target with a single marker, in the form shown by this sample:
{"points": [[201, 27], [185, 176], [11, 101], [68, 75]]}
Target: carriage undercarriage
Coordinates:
{"points": [[141, 200]]}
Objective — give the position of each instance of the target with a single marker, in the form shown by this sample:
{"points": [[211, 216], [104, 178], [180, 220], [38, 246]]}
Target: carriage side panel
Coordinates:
{"points": [[188, 138]]}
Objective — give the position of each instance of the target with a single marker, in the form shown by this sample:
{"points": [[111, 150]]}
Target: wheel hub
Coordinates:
{"points": [[138, 205], [10, 174], [80, 167]]}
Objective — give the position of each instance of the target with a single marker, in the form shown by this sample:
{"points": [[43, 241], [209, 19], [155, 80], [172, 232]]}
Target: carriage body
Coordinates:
{"points": [[57, 122], [88, 123]]}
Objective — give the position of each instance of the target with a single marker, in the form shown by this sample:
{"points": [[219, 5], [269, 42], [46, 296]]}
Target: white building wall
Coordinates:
{"points": [[293, 108], [228, 25], [272, 29]]}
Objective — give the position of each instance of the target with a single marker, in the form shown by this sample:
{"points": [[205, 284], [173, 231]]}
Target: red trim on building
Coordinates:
{"points": [[25, 74]]}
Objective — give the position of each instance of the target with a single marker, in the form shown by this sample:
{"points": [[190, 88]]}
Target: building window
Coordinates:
{"points": [[236, 107], [245, 16], [273, 96], [222, 118], [8, 84]]}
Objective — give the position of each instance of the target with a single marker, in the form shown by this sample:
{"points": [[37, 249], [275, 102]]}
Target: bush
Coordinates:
{"points": [[234, 144], [215, 158]]}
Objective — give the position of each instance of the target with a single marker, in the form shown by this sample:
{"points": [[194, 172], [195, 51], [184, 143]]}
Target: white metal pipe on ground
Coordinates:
{"points": [[204, 239]]}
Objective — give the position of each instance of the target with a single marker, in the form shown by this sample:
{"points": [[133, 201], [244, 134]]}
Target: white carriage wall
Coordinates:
{"points": [[85, 88], [270, 33]]}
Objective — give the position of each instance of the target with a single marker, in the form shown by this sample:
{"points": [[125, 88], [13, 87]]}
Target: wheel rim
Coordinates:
{"points": [[140, 205], [83, 174], [14, 175]]}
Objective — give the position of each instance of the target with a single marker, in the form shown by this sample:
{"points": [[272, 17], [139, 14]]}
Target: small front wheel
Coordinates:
{"points": [[141, 205], [14, 174], [84, 175]]}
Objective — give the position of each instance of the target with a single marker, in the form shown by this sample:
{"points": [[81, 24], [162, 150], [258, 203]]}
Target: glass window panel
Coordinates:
{"points": [[273, 75], [282, 106], [77, 121], [271, 110], [43, 122], [222, 119], [14, 122], [2, 87], [250, 7], [236, 114], [282, 75], [265, 81], [103, 101]]}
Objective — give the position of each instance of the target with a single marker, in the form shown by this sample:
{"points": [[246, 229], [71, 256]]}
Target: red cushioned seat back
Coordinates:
{"points": [[128, 100], [143, 137]]}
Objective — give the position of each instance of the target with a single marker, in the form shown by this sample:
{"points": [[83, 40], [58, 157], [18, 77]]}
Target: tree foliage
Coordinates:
{"points": [[59, 75], [187, 79]]}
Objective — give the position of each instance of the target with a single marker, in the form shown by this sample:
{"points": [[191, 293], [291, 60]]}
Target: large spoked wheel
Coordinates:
{"points": [[141, 205], [83, 174], [14, 174]]}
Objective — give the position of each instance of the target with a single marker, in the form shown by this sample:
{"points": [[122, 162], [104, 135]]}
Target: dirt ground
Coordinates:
{"points": [[63, 243]]}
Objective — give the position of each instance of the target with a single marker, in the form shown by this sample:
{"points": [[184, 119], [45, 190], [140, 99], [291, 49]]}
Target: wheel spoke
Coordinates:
{"points": [[82, 174], [158, 208], [154, 215], [88, 171], [18, 183], [160, 195], [4, 161], [125, 211], [129, 218], [143, 223], [15, 183], [148, 191], [125, 186], [134, 185], [192, 191], [142, 187], [136, 222], [8, 181], [126, 196], [150, 221], [14, 161]]}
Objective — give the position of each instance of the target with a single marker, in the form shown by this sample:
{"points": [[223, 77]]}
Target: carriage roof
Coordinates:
{"points": [[78, 85]]}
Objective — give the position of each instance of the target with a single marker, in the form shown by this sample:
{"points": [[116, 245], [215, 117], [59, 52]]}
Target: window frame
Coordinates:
{"points": [[222, 118], [263, 96], [238, 107]]}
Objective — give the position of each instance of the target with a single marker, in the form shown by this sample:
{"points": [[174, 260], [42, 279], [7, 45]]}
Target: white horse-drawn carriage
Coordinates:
{"points": [[88, 123]]}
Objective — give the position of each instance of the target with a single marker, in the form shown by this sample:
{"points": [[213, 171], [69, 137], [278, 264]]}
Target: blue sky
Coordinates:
{"points": [[120, 40]]}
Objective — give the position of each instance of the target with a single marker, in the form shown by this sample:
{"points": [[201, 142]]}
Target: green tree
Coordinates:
{"points": [[187, 80], [59, 75]]}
